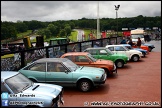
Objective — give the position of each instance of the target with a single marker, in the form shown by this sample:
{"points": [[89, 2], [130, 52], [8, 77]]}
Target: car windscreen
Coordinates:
{"points": [[91, 57], [126, 48], [18, 83], [135, 36], [109, 52], [70, 65]]}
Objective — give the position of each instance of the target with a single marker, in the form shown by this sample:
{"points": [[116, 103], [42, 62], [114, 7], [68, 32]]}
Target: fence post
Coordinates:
{"points": [[47, 54], [22, 59]]}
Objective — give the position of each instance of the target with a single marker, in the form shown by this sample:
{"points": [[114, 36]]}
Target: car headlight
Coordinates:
{"points": [[58, 99], [104, 76]]}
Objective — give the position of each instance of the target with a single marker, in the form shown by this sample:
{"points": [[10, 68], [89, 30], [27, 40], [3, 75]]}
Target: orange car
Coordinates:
{"points": [[86, 59], [142, 47]]}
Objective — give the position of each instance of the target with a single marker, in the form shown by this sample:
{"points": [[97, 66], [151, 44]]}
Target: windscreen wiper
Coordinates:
{"points": [[35, 87], [82, 67]]}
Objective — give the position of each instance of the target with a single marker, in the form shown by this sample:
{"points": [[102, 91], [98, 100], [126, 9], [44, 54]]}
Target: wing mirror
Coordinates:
{"points": [[66, 71]]}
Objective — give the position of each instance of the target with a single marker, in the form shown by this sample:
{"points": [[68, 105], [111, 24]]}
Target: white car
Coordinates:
{"points": [[120, 49]]}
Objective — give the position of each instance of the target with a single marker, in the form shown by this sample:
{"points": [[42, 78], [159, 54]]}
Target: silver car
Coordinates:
{"points": [[19, 91]]}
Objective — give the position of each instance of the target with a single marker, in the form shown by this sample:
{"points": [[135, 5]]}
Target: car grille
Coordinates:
{"points": [[114, 67]]}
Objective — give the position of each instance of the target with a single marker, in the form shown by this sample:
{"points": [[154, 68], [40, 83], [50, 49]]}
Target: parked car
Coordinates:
{"points": [[144, 52], [16, 88], [106, 54], [133, 55], [142, 47], [145, 46], [86, 59], [150, 46], [63, 71]]}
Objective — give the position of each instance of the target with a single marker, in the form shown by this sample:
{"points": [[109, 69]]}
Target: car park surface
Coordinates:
{"points": [[106, 54], [63, 71], [86, 59], [138, 83]]}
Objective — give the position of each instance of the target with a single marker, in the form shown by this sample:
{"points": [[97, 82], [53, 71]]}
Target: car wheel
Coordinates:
{"points": [[143, 54], [119, 63], [107, 72], [150, 49], [85, 85], [135, 58]]}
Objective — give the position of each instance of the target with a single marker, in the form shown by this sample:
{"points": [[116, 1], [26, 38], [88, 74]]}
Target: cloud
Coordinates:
{"points": [[68, 10]]}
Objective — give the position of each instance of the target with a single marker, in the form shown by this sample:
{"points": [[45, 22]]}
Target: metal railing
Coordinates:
{"points": [[21, 58]]}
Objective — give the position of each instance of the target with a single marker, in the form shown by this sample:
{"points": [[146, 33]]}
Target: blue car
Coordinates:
{"points": [[144, 52]]}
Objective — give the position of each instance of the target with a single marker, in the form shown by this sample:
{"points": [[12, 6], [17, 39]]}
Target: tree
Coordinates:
{"points": [[62, 32], [72, 25], [41, 32], [13, 32], [21, 27], [4, 33], [53, 29], [67, 30], [47, 33]]}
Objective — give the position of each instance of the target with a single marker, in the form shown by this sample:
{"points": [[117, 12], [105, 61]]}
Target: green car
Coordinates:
{"points": [[64, 72], [104, 53]]}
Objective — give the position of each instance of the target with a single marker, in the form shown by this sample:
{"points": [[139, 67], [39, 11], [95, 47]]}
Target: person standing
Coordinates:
{"points": [[123, 41], [145, 37], [139, 43], [130, 42]]}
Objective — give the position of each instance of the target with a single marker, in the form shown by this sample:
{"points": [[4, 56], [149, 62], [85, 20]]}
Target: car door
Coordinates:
{"points": [[35, 71], [84, 61], [103, 54], [121, 50], [58, 73], [111, 48]]}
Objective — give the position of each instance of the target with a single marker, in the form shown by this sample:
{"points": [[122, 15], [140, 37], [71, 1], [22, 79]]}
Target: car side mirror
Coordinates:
{"points": [[66, 71]]}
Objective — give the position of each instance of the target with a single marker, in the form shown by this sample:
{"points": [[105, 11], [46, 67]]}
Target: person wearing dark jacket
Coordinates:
{"points": [[130, 42], [123, 41]]}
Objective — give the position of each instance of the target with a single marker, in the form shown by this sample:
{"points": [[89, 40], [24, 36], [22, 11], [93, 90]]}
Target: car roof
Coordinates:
{"points": [[51, 60], [7, 74], [126, 44], [114, 45], [96, 48], [75, 53]]}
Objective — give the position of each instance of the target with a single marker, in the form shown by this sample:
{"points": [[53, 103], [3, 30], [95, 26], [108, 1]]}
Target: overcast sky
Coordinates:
{"points": [[69, 10]]}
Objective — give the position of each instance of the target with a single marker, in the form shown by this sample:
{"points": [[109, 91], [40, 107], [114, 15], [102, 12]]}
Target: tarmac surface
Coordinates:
{"points": [[138, 84]]}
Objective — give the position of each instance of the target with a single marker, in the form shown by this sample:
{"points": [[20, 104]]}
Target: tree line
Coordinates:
{"points": [[63, 28]]}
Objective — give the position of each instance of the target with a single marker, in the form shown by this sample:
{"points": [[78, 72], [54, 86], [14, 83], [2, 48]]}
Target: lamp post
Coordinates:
{"points": [[98, 23], [117, 8]]}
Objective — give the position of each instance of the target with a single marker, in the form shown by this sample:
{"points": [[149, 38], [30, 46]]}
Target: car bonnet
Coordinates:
{"points": [[44, 89], [87, 69], [105, 62]]}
